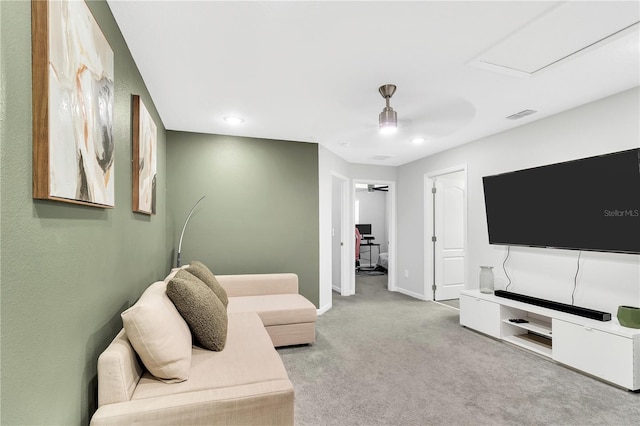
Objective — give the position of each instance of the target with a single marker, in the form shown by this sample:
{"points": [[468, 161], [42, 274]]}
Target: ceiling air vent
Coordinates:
{"points": [[380, 157], [521, 114]]}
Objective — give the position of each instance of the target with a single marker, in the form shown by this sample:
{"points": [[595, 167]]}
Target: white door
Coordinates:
{"points": [[449, 232]]}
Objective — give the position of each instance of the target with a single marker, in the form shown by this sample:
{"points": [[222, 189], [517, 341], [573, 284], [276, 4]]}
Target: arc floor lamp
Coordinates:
{"points": [[183, 229]]}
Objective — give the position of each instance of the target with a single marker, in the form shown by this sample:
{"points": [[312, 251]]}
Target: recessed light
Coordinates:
{"points": [[234, 121], [417, 141]]}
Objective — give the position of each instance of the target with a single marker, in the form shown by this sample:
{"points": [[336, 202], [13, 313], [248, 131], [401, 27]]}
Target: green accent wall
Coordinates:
{"points": [[260, 214], [67, 271]]}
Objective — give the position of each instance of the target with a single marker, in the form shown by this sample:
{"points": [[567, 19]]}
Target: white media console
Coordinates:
{"points": [[603, 349]]}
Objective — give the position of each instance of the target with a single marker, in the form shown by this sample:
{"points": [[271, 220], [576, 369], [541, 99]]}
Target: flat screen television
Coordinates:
{"points": [[364, 229], [587, 204]]}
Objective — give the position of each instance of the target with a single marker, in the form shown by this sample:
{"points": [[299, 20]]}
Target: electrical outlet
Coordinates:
{"points": [[406, 273]]}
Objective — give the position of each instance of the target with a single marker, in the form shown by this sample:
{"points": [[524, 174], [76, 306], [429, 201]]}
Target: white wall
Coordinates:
{"points": [[605, 281], [373, 173], [328, 163], [336, 231]]}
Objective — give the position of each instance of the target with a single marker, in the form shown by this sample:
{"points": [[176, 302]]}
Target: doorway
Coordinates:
{"points": [[374, 211], [445, 233]]}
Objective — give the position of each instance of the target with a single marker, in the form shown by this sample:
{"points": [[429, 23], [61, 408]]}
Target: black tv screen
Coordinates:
{"points": [[587, 204]]}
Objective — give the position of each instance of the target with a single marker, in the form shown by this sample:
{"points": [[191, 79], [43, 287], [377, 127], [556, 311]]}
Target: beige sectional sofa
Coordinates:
{"points": [[244, 384], [289, 318]]}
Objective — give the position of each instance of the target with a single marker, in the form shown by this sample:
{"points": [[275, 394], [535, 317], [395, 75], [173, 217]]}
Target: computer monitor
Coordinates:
{"points": [[364, 229]]}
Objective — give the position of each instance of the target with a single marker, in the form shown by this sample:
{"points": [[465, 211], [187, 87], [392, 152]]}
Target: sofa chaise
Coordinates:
{"points": [[244, 384]]}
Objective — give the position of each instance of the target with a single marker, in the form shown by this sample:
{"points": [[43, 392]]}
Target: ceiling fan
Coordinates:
{"points": [[371, 188], [426, 114]]}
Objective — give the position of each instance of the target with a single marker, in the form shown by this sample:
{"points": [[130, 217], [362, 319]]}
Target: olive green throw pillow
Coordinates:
{"points": [[201, 309], [205, 275]]}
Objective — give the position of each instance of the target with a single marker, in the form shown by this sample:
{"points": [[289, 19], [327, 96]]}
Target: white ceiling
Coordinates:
{"points": [[310, 71]]}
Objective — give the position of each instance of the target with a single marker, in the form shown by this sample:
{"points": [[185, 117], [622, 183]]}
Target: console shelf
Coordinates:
{"points": [[534, 326], [532, 342], [605, 350]]}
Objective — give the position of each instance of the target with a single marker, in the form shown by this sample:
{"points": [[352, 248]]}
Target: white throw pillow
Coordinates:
{"points": [[160, 336]]}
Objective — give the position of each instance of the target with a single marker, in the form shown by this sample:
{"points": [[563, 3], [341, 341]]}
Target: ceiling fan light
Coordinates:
{"points": [[387, 130], [388, 118], [388, 121]]}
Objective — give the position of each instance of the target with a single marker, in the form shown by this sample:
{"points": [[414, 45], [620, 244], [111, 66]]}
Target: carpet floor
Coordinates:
{"points": [[383, 358]]}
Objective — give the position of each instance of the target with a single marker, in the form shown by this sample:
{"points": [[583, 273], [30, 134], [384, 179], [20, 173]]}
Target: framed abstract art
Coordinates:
{"points": [[145, 143], [73, 97]]}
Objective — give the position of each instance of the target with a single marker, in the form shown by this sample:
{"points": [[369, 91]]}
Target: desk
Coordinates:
{"points": [[370, 245]]}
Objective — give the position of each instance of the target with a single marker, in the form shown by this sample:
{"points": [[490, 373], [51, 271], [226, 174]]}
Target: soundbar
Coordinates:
{"points": [[562, 307]]}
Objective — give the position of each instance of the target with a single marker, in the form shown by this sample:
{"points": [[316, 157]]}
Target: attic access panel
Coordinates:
{"points": [[560, 34]]}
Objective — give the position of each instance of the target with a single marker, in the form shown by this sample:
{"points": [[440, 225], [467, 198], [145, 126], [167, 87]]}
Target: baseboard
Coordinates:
{"points": [[410, 293], [336, 288], [323, 309]]}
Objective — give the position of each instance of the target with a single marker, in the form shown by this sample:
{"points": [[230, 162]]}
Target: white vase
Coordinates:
{"points": [[486, 279]]}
